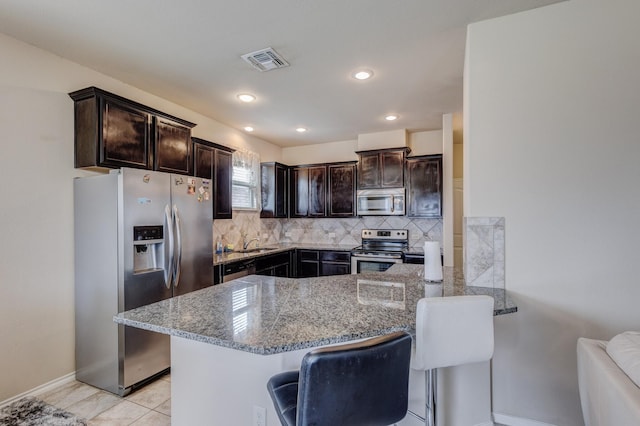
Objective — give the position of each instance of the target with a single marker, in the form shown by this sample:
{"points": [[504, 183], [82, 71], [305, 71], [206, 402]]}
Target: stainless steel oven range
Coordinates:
{"points": [[380, 249]]}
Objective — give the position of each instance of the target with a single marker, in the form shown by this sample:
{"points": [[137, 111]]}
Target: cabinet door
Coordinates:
{"points": [[281, 190], [281, 270], [299, 202], [125, 136], [172, 151], [273, 186], [424, 186], [392, 169], [308, 263], [335, 268], [369, 171], [222, 166], [335, 263], [317, 191], [203, 161], [342, 190]]}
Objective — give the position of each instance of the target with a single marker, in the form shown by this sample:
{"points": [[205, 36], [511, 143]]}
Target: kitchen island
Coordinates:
{"points": [[227, 340]]}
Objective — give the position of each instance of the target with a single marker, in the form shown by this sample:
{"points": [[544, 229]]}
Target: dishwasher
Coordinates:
{"points": [[234, 270]]}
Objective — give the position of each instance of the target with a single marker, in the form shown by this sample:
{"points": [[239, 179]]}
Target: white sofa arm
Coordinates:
{"points": [[607, 395]]}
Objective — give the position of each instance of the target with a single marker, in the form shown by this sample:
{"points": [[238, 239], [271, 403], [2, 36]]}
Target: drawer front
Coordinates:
{"points": [[263, 262], [307, 254], [335, 256]]}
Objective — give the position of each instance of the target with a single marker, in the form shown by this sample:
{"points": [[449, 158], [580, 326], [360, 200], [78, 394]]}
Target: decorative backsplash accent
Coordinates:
{"points": [[484, 248], [332, 231]]}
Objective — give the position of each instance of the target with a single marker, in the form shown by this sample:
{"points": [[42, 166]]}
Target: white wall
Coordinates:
{"points": [[426, 143], [323, 153], [421, 143], [551, 143], [36, 219]]}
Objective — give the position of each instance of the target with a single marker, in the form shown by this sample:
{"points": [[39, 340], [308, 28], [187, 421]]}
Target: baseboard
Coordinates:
{"points": [[41, 389], [517, 421]]}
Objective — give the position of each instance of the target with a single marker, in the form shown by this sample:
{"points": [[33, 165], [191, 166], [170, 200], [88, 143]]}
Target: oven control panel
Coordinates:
{"points": [[385, 234]]}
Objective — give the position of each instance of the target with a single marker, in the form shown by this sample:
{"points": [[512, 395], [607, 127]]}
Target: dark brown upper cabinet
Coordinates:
{"points": [[214, 161], [341, 192], [223, 168], [274, 190], [172, 147], [202, 159], [112, 131], [424, 186], [308, 191], [383, 168]]}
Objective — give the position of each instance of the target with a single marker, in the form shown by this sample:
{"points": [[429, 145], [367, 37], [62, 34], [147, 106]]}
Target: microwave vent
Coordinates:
{"points": [[265, 60]]}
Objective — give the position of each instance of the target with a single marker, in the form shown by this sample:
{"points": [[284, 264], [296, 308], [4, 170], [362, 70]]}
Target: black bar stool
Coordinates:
{"points": [[364, 383]]}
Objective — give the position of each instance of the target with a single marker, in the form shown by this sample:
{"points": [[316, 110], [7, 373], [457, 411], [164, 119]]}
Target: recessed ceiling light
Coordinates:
{"points": [[246, 97], [391, 117], [363, 74], [301, 129], [248, 129]]}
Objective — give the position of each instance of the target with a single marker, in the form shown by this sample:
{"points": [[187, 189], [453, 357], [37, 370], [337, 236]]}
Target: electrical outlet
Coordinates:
{"points": [[259, 416], [332, 234], [287, 234]]}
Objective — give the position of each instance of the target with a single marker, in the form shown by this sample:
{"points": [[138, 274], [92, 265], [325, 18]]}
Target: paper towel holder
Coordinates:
{"points": [[432, 262]]}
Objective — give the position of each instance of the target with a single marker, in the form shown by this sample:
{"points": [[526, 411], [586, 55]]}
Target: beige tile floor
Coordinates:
{"points": [[150, 405]]}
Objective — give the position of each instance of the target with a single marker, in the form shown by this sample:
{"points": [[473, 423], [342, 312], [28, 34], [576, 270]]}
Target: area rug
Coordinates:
{"points": [[31, 411]]}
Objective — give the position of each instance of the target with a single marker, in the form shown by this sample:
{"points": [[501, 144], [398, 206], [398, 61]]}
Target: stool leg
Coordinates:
{"points": [[431, 385]]}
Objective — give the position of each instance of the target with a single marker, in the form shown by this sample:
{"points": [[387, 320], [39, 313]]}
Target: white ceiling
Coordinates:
{"points": [[188, 51]]}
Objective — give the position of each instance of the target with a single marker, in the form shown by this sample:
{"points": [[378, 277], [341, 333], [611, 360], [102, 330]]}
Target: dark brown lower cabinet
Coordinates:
{"points": [[308, 263], [320, 263], [335, 263], [414, 258], [274, 265]]}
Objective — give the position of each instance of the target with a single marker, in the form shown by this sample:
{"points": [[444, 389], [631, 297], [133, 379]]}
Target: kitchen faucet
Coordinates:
{"points": [[246, 243]]}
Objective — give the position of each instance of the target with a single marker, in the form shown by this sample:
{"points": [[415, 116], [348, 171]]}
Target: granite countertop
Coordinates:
{"points": [[268, 315], [233, 256]]}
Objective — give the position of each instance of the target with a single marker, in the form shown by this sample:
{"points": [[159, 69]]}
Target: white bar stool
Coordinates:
{"points": [[450, 331]]}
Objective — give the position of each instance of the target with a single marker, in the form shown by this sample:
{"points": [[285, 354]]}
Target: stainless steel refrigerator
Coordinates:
{"points": [[140, 237]]}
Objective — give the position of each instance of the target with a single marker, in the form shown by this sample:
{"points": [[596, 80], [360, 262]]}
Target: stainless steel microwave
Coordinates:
{"points": [[380, 202]]}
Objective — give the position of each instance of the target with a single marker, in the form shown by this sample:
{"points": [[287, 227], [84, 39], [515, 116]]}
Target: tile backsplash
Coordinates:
{"points": [[344, 231], [484, 251]]}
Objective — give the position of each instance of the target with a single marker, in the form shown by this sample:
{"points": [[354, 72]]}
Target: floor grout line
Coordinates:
{"points": [[92, 403]]}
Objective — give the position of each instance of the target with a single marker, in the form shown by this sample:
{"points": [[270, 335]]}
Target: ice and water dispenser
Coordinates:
{"points": [[148, 245]]}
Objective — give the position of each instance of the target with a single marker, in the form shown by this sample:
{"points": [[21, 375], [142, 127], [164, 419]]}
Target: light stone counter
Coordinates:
{"points": [[227, 340], [266, 315]]}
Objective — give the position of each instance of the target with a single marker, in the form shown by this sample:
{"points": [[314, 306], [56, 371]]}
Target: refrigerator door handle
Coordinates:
{"points": [[178, 258], [168, 269]]}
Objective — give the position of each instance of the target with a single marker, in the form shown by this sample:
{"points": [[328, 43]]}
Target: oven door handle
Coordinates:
{"points": [[374, 256]]}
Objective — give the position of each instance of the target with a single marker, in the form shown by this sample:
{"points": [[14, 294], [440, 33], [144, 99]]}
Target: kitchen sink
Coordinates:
{"points": [[257, 250]]}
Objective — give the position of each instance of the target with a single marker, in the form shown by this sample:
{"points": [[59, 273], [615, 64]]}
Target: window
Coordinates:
{"points": [[246, 180]]}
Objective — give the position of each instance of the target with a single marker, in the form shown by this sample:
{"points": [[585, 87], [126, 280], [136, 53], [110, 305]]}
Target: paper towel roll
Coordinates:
{"points": [[432, 261]]}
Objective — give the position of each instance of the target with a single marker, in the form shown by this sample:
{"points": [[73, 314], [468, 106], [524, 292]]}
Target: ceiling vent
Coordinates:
{"points": [[265, 60]]}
